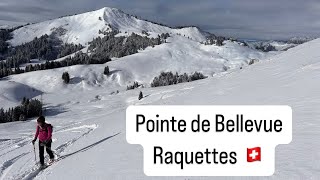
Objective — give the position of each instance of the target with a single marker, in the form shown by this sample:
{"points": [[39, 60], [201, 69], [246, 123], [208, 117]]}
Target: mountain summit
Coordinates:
{"points": [[184, 50], [82, 28]]}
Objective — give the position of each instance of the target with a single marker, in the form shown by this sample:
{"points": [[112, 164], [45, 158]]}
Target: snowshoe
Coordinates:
{"points": [[51, 161], [42, 166]]}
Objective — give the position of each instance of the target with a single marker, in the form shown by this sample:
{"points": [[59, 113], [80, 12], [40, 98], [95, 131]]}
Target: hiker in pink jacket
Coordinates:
{"points": [[44, 133]]}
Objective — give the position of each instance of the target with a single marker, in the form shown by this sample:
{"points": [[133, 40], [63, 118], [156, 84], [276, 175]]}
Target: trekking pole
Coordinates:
{"points": [[35, 156]]}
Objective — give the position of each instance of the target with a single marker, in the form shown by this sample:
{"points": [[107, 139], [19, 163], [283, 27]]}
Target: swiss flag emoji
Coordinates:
{"points": [[253, 154]]}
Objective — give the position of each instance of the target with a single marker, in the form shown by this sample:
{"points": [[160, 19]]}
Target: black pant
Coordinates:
{"points": [[48, 149]]}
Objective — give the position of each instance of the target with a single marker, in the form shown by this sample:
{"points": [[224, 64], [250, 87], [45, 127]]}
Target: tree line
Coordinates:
{"points": [[119, 46], [28, 108], [213, 39], [49, 48], [5, 35], [77, 59], [134, 86], [43, 48], [169, 78]]}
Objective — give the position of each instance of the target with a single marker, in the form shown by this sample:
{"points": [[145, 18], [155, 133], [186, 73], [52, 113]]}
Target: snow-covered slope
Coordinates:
{"points": [[89, 123], [271, 45], [183, 52], [277, 45], [180, 55], [84, 27], [11, 93]]}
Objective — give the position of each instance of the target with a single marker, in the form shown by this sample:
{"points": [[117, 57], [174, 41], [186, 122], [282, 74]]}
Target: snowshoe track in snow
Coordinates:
{"points": [[7, 164], [34, 170]]}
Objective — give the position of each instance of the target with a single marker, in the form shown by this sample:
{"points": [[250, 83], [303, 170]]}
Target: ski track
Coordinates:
{"points": [[62, 147], [7, 164], [15, 147], [10, 142], [34, 171]]}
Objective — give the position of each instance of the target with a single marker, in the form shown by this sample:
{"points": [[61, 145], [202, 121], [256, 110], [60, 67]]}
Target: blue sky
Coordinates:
{"points": [[257, 19]]}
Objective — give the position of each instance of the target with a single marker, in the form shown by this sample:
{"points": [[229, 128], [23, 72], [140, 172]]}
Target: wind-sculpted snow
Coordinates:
{"points": [[11, 93]]}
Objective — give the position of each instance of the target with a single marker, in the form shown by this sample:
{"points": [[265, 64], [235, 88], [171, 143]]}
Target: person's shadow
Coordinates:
{"points": [[87, 147]]}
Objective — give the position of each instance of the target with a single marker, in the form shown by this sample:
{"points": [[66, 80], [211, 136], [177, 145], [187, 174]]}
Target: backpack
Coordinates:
{"points": [[46, 128]]}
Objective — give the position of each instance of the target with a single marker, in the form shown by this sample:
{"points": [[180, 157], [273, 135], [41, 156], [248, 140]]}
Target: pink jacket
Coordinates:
{"points": [[44, 133]]}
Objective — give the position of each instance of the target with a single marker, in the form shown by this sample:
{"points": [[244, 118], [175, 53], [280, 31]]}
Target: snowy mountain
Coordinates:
{"points": [[268, 46], [84, 27], [277, 45], [183, 52], [300, 40], [88, 114], [88, 122], [5, 27], [180, 55]]}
